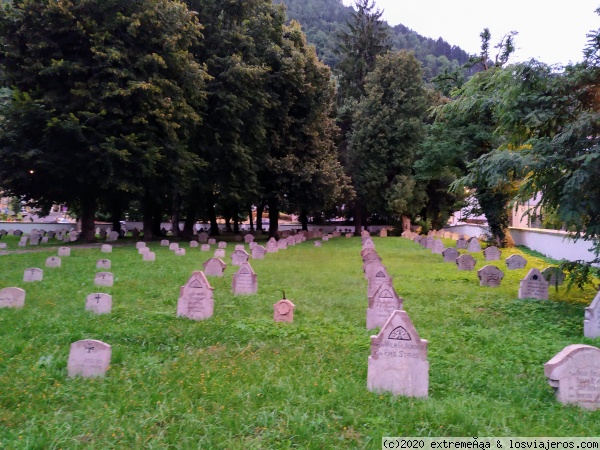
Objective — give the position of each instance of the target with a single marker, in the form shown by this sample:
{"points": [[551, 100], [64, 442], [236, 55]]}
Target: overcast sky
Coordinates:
{"points": [[551, 31]]}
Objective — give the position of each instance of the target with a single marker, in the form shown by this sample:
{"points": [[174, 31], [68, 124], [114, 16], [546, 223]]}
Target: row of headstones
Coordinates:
{"points": [[574, 372], [35, 237], [398, 356]]}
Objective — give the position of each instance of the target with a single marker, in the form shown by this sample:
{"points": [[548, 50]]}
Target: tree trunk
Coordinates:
{"points": [[357, 219], [88, 214], [227, 224], [157, 220], [175, 213], [212, 217], [148, 220], [405, 223], [260, 208], [190, 222], [304, 219], [274, 217], [251, 219], [116, 210], [236, 223]]}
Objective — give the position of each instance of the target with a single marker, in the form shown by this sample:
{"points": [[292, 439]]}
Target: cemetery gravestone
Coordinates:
{"points": [[214, 267], [376, 280], [383, 233], [222, 244], [99, 303], [12, 297], [248, 238], [492, 253], [438, 247], [244, 281], [574, 373], [533, 286], [219, 253], [427, 242], [237, 238], [193, 244], [103, 279], [73, 235], [22, 242], [398, 360], [282, 244], [465, 262], [3, 245], [348, 235], [112, 236], [205, 248], [283, 311], [417, 239], [88, 358], [196, 298], [450, 254], [164, 243], [143, 250], [45, 240], [382, 304], [239, 257], [515, 262], [473, 245], [240, 247], [490, 276], [64, 251], [591, 324], [272, 246], [180, 252], [318, 243], [53, 261], [203, 237], [106, 248], [461, 243], [258, 252], [103, 264], [554, 276], [212, 241], [149, 256], [173, 246], [33, 274]]}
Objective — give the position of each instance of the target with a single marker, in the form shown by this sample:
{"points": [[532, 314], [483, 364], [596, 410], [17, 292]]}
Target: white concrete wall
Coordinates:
{"points": [[552, 243], [467, 230]]}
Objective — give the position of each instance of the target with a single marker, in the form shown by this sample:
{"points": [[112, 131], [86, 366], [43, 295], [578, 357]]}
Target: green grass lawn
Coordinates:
{"points": [[238, 380]]}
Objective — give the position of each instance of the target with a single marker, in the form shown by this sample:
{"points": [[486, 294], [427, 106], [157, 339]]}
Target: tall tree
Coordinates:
{"points": [[388, 128], [100, 106], [368, 37]]}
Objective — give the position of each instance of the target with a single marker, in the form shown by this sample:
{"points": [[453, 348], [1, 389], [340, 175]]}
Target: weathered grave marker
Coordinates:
{"points": [[180, 252], [244, 281], [219, 253], [438, 247], [149, 256], [382, 304], [222, 244], [248, 238], [173, 246], [103, 279], [193, 244], [205, 248], [490, 276], [88, 358], [554, 276], [212, 241], [214, 267], [33, 274], [473, 245], [103, 264], [64, 251], [450, 254], [53, 261], [533, 286], [461, 243], [383, 233], [99, 303], [376, 280], [574, 372], [318, 244], [196, 298], [283, 311], [164, 243], [492, 253], [465, 262], [591, 324], [258, 252], [239, 257], [398, 360], [12, 297], [514, 262]]}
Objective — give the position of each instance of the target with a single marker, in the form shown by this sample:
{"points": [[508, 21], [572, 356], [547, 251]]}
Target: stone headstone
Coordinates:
{"points": [[51, 234], [222, 244], [240, 247], [248, 238], [461, 243], [237, 238], [12, 297], [382, 304], [73, 235], [149, 256], [383, 232], [103, 264], [473, 245], [212, 241], [193, 244], [349, 235], [219, 253], [533, 286], [366, 251], [368, 243], [376, 280], [515, 262], [438, 247], [370, 268], [34, 240], [318, 243], [112, 236], [244, 281], [196, 298], [283, 311], [88, 358], [465, 262], [417, 239], [180, 252], [575, 375], [3, 245], [18, 233], [398, 360], [272, 246], [258, 252], [450, 254], [490, 276], [205, 248], [203, 237], [66, 238], [173, 246], [214, 267], [164, 243], [492, 253], [282, 244], [554, 276], [22, 242], [33, 274], [53, 261], [591, 324], [238, 257], [103, 279], [45, 240], [143, 250], [252, 245], [99, 303], [64, 251]]}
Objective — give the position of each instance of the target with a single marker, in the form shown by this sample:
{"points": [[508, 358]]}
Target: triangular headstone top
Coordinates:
{"points": [[398, 361], [196, 298], [465, 262], [473, 245], [492, 253], [514, 262], [450, 254], [490, 276], [383, 303], [214, 267], [533, 286], [244, 281], [591, 324]]}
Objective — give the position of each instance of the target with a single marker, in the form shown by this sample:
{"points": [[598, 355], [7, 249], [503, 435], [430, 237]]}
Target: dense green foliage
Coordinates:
{"points": [[238, 380]]}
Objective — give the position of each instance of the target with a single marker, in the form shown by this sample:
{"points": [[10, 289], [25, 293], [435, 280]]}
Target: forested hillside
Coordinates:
{"points": [[321, 20]]}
